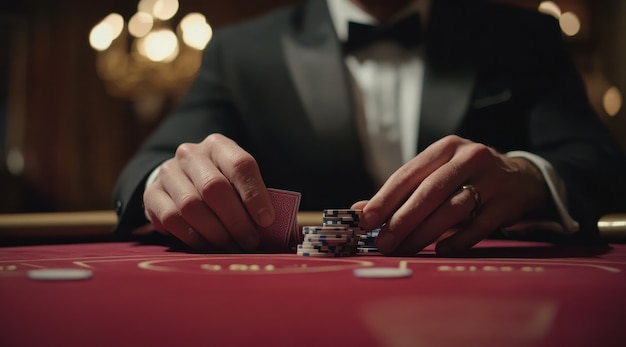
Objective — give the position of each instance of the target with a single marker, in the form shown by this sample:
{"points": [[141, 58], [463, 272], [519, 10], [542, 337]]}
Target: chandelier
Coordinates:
{"points": [[149, 58]]}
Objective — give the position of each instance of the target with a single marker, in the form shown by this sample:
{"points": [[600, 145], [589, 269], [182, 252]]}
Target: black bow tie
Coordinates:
{"points": [[406, 32]]}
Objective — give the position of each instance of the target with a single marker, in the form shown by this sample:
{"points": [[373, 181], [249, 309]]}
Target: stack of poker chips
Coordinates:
{"points": [[366, 244], [340, 235]]}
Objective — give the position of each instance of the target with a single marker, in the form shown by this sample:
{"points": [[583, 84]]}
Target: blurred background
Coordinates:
{"points": [[82, 83]]}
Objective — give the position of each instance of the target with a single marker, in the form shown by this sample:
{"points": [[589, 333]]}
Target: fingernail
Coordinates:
{"points": [[250, 242], [386, 242], [264, 218]]}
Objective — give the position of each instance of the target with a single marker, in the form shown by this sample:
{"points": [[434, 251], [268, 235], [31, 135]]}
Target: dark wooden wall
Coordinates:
{"points": [[75, 138]]}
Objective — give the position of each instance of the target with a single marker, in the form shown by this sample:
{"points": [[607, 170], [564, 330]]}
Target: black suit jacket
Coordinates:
{"points": [[279, 87]]}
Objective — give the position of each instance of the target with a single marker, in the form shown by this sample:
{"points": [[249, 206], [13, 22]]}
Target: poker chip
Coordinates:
{"points": [[335, 230], [332, 212], [373, 233], [343, 218], [327, 246], [327, 238], [328, 234], [382, 272], [323, 228], [352, 226], [59, 274], [323, 254], [342, 223], [319, 247], [339, 235]]}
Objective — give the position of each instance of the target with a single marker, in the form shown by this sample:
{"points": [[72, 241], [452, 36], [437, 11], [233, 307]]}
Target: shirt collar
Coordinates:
{"points": [[344, 11]]}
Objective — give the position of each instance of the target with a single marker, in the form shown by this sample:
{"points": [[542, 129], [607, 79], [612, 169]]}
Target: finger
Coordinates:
{"points": [[191, 206], [431, 193], [152, 205], [486, 222], [457, 209], [150, 213], [401, 184], [358, 205], [165, 216], [243, 172]]}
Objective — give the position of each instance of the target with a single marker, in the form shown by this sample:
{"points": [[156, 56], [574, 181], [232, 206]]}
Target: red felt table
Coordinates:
{"points": [[504, 294]]}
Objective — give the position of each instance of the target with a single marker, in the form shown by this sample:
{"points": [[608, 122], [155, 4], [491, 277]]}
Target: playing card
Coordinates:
{"points": [[277, 236]]}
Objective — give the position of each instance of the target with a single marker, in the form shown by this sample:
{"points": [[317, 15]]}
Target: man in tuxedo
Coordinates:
{"points": [[459, 115]]}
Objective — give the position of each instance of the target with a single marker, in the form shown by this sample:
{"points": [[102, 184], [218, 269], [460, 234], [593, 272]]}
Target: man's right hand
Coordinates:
{"points": [[210, 196]]}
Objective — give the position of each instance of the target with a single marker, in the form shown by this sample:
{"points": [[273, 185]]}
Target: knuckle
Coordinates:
{"points": [[189, 205], [214, 139], [480, 151], [169, 218], [451, 141], [403, 174], [400, 222], [477, 154], [428, 186], [245, 172], [185, 150], [249, 195], [447, 146], [244, 163], [188, 202], [214, 186], [166, 169]]}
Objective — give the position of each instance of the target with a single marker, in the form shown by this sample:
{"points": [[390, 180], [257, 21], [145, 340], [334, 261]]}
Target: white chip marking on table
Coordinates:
{"points": [[59, 274], [383, 272]]}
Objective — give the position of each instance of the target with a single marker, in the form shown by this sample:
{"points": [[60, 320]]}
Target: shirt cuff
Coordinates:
{"points": [[556, 188]]}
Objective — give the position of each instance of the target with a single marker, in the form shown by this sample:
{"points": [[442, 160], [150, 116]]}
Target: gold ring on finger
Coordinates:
{"points": [[476, 195]]}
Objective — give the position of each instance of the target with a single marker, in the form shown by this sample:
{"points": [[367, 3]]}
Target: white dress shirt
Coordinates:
{"points": [[389, 85]]}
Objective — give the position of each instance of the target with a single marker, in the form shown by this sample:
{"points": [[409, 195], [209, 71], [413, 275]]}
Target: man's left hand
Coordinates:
{"points": [[454, 184]]}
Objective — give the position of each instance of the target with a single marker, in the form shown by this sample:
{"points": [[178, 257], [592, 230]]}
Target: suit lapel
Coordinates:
{"points": [[449, 74], [315, 62]]}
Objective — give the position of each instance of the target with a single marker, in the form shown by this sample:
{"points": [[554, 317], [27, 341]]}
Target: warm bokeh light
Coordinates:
{"points": [[192, 19], [146, 6], [196, 31], [159, 46], [549, 7], [612, 101], [154, 51], [159, 9], [101, 36], [570, 24], [165, 9], [116, 21], [140, 24]]}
